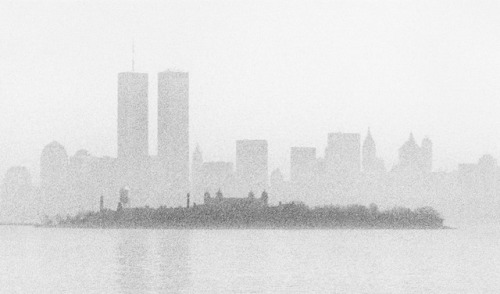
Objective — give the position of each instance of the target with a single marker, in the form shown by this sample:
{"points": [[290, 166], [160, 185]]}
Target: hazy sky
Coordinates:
{"points": [[285, 71]]}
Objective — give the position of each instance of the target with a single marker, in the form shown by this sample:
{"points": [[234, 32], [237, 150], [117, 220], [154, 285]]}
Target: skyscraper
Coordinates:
{"points": [[132, 116], [16, 182], [342, 155], [251, 166], [371, 163], [413, 158], [17, 198], [409, 155], [173, 130], [133, 159], [302, 164], [54, 173], [369, 152], [53, 166], [427, 155], [217, 175]]}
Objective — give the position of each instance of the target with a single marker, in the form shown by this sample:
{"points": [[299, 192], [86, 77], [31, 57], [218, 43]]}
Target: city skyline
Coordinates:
{"points": [[284, 146], [140, 145], [143, 92], [324, 68], [349, 171], [322, 133]]}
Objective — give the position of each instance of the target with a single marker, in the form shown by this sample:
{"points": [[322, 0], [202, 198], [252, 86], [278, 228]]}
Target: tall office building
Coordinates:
{"points": [[371, 163], [173, 131], [53, 165], [415, 158], [426, 154], [217, 175], [54, 175], [343, 154], [132, 116], [369, 153], [133, 159], [251, 166], [302, 164], [410, 155], [17, 198]]}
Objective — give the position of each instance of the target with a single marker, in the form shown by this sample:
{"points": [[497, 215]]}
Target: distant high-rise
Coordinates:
{"points": [[132, 117], [133, 155], [89, 175], [302, 164], [371, 163], [217, 175], [413, 158], [479, 186], [17, 200], [426, 154], [251, 165], [343, 154], [197, 163], [54, 174], [409, 154], [369, 152], [173, 130], [53, 165]]}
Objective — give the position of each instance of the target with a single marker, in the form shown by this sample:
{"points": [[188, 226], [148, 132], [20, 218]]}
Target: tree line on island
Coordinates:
{"points": [[247, 215]]}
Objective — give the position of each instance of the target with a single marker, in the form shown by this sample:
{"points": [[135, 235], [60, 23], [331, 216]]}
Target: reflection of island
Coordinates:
{"points": [[132, 255], [252, 212], [155, 263]]}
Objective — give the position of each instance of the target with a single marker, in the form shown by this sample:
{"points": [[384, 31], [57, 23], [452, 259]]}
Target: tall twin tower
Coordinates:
{"points": [[168, 173]]}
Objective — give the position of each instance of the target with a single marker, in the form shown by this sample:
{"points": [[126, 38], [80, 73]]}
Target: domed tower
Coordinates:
{"points": [[79, 163], [206, 198], [369, 153], [426, 155], [53, 165]]}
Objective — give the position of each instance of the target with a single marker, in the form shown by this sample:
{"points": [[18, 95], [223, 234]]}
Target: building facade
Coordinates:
{"points": [[343, 155], [133, 153], [132, 116], [251, 166], [173, 132], [302, 164]]}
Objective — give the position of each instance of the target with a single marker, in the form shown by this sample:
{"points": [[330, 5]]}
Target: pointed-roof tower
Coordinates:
{"points": [[369, 142], [369, 152], [411, 139]]}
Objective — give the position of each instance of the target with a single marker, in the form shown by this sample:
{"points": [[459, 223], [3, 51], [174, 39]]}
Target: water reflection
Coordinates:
{"points": [[173, 258], [153, 261], [132, 256]]}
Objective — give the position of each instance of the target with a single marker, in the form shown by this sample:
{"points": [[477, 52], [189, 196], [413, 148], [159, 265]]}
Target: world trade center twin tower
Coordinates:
{"points": [[167, 174]]}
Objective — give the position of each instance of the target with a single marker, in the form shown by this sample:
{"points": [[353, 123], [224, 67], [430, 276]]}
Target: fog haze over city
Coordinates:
{"points": [[286, 72], [290, 74]]}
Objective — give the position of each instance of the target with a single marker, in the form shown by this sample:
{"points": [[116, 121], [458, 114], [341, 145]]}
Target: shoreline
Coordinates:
{"points": [[221, 228]]}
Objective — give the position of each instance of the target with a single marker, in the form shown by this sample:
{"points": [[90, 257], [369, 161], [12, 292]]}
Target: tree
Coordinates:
{"points": [[120, 207]]}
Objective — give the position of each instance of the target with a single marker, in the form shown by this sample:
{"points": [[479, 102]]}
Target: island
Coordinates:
{"points": [[251, 212]]}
